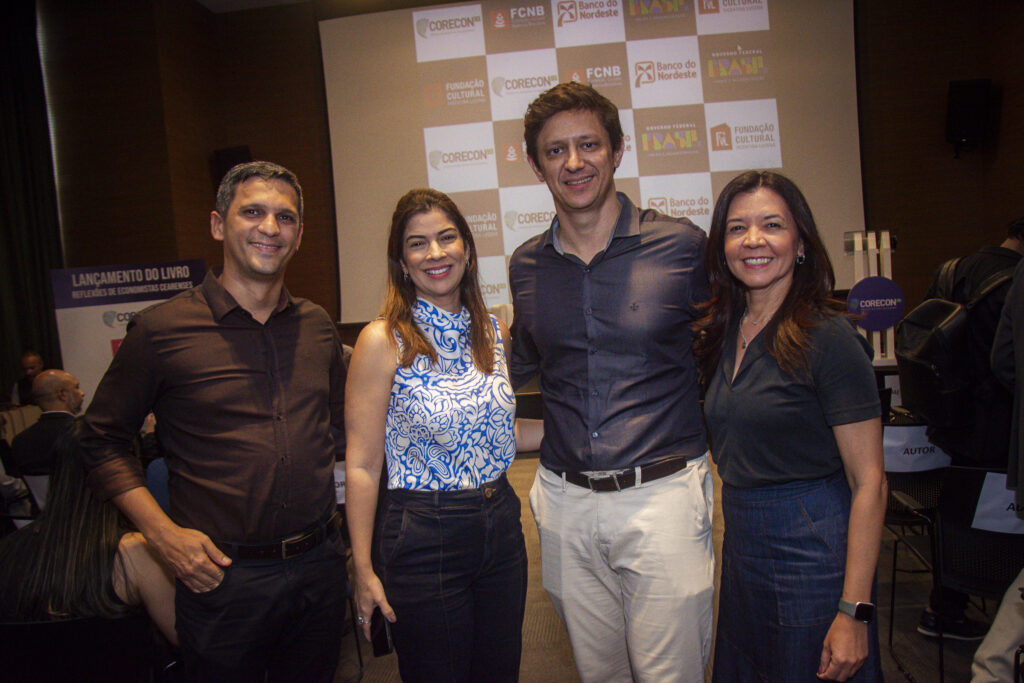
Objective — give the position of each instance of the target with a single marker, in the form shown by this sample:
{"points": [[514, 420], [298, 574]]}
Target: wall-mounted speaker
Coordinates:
{"points": [[967, 111], [224, 159]]}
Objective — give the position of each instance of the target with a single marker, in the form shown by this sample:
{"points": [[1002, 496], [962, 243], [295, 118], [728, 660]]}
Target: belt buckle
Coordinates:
{"points": [[614, 477], [291, 541]]}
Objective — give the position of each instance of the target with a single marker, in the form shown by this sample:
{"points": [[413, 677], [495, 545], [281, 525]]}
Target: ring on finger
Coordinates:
{"points": [[361, 620]]}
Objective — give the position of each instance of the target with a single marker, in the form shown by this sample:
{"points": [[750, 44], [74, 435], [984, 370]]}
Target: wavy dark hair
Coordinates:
{"points": [[401, 293], [60, 566], [808, 299]]}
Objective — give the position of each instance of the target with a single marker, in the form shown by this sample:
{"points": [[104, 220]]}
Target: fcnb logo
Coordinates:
{"points": [[112, 318]]}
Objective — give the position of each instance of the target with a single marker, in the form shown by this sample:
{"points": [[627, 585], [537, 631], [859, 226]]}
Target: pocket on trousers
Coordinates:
{"points": [[392, 531], [809, 570]]}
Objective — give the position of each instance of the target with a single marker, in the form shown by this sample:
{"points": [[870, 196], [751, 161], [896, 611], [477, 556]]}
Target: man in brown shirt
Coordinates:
{"points": [[247, 385]]}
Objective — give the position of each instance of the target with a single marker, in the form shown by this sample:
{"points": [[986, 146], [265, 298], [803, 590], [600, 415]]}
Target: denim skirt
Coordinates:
{"points": [[783, 564]]}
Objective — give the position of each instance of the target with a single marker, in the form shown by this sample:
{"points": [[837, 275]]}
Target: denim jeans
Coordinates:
{"points": [[453, 565], [276, 618], [783, 564]]}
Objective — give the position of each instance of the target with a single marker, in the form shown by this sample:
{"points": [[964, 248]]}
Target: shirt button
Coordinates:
{"points": [[594, 392], [586, 270], [279, 417], [593, 434], [589, 310], [593, 351]]}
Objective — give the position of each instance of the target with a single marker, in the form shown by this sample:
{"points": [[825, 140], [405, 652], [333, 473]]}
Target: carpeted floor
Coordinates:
{"points": [[547, 657]]}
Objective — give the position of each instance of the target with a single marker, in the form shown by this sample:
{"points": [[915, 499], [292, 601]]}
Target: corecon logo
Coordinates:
{"points": [[515, 220], [112, 318], [438, 159], [425, 27], [500, 84]]}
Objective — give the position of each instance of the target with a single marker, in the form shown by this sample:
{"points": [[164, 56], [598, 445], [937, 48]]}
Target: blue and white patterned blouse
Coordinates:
{"points": [[449, 426]]}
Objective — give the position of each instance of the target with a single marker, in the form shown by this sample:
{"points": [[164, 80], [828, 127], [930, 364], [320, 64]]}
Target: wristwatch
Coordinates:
{"points": [[861, 611]]}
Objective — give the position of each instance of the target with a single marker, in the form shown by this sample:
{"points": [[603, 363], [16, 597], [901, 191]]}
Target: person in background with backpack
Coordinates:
{"points": [[983, 440]]}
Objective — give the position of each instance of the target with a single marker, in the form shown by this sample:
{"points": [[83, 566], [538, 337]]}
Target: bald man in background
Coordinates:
{"points": [[58, 394]]}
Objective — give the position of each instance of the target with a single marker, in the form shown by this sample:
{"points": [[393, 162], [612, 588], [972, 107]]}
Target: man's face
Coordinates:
{"points": [[74, 395], [576, 160], [261, 231], [31, 365]]}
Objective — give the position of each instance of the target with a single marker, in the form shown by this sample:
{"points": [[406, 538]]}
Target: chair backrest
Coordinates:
{"points": [[18, 419], [78, 650], [974, 561], [39, 486]]}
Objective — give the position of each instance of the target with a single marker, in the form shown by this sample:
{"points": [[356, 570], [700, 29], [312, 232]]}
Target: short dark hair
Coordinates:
{"points": [[1015, 228], [266, 170], [570, 96]]}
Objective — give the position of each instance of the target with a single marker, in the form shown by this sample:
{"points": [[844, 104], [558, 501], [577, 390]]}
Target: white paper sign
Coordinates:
{"points": [[907, 449], [996, 509]]}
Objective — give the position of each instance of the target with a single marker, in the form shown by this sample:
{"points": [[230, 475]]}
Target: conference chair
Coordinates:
{"points": [[90, 649], [978, 561]]}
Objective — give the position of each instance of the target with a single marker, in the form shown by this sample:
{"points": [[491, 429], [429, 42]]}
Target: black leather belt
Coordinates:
{"points": [[282, 550], [626, 478]]}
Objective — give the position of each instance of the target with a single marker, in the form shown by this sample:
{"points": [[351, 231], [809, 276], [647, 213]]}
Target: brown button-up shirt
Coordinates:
{"points": [[244, 413]]}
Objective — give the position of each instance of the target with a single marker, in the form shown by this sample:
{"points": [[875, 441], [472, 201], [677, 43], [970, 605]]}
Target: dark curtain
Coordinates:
{"points": [[30, 242]]}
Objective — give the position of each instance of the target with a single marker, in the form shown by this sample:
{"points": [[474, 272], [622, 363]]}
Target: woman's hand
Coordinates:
{"points": [[369, 594], [845, 649]]}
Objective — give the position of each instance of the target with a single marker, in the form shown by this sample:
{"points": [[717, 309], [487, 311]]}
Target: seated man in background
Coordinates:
{"points": [[31, 365], [58, 394]]}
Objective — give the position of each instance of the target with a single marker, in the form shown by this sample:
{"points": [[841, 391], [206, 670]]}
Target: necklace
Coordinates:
{"points": [[751, 320], [746, 318]]}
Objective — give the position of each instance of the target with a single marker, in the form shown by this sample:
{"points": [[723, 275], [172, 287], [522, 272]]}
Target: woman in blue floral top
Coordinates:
{"points": [[428, 392]]}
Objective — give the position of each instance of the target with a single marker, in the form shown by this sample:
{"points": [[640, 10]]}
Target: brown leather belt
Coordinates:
{"points": [[626, 478], [282, 550]]}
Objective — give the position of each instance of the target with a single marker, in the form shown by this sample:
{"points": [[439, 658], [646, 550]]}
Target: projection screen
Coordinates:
{"points": [[707, 89]]}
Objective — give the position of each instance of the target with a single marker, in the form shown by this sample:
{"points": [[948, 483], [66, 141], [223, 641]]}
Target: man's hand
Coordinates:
{"points": [[195, 560], [190, 554]]}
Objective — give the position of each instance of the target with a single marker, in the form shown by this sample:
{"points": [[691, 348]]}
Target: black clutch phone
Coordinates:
{"points": [[380, 634]]}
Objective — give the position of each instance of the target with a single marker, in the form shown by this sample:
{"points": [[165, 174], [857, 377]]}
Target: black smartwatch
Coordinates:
{"points": [[861, 611]]}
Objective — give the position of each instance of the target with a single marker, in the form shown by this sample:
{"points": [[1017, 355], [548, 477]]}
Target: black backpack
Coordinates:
{"points": [[932, 351]]}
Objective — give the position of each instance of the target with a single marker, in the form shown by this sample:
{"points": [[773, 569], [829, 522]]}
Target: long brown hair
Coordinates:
{"points": [[401, 293], [60, 566], [809, 296]]}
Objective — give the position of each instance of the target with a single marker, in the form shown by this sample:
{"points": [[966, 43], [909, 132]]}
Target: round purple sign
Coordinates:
{"points": [[879, 300]]}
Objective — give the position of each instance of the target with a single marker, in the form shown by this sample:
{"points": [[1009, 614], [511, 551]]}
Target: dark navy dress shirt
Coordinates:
{"points": [[612, 342]]}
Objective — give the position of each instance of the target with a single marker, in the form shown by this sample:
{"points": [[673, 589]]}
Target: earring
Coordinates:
{"points": [[800, 259], [405, 274]]}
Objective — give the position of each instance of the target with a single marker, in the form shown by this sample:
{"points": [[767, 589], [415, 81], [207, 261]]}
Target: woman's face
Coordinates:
{"points": [[434, 256], [762, 242]]}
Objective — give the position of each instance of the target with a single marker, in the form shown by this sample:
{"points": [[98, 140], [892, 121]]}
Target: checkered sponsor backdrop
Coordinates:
{"points": [[695, 83]]}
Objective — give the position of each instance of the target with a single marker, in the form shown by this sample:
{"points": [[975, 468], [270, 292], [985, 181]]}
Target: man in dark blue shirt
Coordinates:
{"points": [[603, 301]]}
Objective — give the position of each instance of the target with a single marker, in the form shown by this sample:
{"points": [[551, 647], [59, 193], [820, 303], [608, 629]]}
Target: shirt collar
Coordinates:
{"points": [[221, 302], [625, 225], [427, 313]]}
